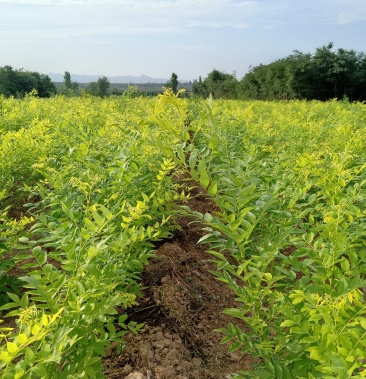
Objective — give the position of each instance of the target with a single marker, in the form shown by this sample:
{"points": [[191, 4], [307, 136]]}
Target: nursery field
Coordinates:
{"points": [[182, 238]]}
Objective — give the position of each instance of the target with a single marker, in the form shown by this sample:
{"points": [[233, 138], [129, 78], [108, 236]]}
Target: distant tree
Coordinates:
{"points": [[44, 86], [67, 80], [269, 82], [17, 83], [199, 88], [92, 88], [70, 86], [217, 83], [173, 83], [103, 86], [324, 75], [100, 87], [131, 92]]}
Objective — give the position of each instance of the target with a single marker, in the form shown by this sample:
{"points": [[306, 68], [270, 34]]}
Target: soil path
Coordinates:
{"points": [[182, 306]]}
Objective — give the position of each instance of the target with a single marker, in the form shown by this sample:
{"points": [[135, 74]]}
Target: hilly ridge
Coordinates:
{"points": [[57, 77]]}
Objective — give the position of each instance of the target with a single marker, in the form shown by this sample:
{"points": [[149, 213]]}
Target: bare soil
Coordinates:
{"points": [[182, 308]]}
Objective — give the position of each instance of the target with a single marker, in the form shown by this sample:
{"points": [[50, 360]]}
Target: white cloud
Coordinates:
{"points": [[339, 12], [77, 18], [351, 16], [103, 20]]}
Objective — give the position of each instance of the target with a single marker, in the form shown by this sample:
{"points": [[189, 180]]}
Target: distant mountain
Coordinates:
{"points": [[113, 79]]}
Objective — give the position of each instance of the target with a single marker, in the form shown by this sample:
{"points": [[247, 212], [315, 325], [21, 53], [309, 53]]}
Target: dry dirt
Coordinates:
{"points": [[181, 308]]}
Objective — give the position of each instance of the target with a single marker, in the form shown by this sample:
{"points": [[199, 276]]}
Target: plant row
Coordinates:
{"points": [[87, 186]]}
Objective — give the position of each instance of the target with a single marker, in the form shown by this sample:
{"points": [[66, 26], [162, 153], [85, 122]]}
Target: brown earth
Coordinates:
{"points": [[182, 306]]}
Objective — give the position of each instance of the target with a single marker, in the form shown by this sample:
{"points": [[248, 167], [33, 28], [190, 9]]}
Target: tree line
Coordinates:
{"points": [[324, 75], [18, 83], [98, 88]]}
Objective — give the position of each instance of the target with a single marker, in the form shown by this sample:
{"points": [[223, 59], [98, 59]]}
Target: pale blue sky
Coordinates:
{"points": [[158, 37]]}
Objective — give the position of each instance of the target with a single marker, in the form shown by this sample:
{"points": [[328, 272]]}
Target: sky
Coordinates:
{"points": [[158, 37]]}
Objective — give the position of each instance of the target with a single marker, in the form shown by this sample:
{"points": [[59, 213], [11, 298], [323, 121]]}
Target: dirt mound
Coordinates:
{"points": [[182, 306]]}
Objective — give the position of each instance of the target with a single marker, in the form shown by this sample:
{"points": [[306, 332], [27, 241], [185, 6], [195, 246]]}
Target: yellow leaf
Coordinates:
{"points": [[19, 374], [212, 189], [22, 338], [363, 323], [44, 320], [56, 315], [91, 252], [12, 347], [204, 178], [5, 357], [36, 329], [316, 353]]}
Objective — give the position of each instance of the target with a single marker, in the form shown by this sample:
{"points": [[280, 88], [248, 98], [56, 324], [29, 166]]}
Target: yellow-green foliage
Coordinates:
{"points": [[291, 189], [100, 193], [289, 179]]}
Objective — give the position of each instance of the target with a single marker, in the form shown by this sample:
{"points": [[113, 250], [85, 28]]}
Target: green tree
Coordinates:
{"points": [[44, 85], [17, 83], [131, 92], [217, 83], [173, 83], [103, 86], [324, 75], [100, 87], [199, 88], [70, 86], [92, 88]]}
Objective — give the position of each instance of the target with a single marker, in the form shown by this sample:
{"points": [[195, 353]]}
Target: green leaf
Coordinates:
{"points": [[353, 257], [309, 238], [107, 213], [98, 219], [207, 218], [40, 370], [67, 211], [20, 247], [311, 198], [270, 367], [42, 258], [287, 323], [203, 175], [192, 160], [278, 370], [234, 312], [204, 178], [29, 355], [14, 297], [212, 189], [234, 346], [9, 306], [24, 301], [308, 262], [345, 265], [226, 338], [89, 224]]}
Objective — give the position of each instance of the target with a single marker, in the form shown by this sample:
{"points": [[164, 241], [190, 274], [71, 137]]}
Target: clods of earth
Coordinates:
{"points": [[182, 308]]}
